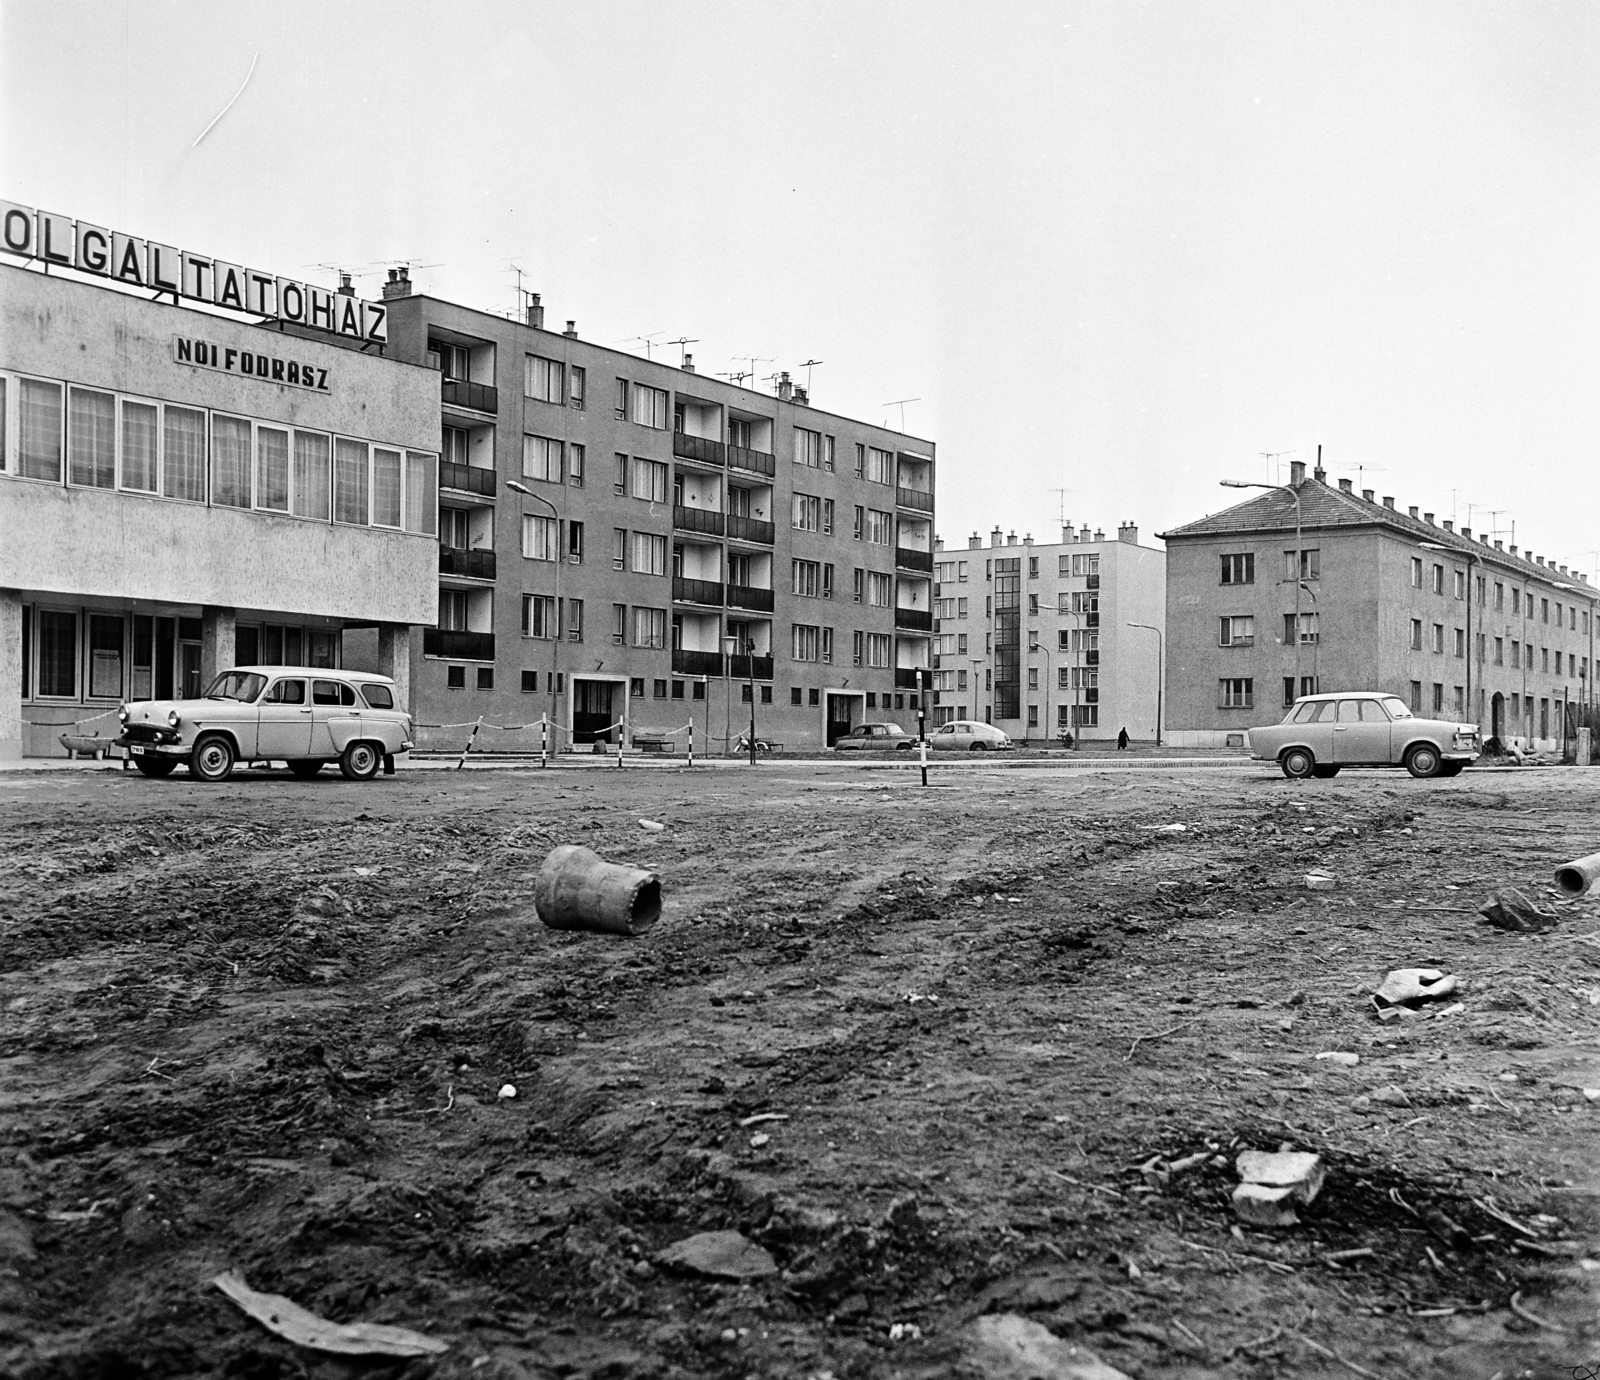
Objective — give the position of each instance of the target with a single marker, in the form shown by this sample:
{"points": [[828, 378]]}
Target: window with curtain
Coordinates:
{"points": [[3, 450], [538, 537], [91, 438], [541, 458], [272, 469], [649, 627], [649, 554], [140, 446], [58, 654], [39, 430], [230, 462], [422, 493], [313, 475], [183, 446], [350, 481], [385, 487]]}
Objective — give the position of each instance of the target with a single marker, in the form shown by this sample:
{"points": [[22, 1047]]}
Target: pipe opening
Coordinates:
{"points": [[646, 907]]}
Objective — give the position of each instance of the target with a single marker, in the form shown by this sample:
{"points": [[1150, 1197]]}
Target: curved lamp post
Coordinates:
{"points": [[1160, 649], [555, 647], [1293, 493]]}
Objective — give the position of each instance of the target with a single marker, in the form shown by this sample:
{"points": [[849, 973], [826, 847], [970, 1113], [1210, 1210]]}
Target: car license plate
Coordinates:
{"points": [[137, 751]]}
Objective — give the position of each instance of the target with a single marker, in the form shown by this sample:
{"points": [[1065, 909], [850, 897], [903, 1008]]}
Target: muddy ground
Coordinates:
{"points": [[263, 1026]]}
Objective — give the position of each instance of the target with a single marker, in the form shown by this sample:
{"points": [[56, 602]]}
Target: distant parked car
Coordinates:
{"points": [[302, 716], [965, 735], [875, 738], [1363, 728]]}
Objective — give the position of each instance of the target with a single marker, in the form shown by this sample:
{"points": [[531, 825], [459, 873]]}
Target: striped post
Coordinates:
{"points": [[471, 739], [544, 741], [691, 740]]}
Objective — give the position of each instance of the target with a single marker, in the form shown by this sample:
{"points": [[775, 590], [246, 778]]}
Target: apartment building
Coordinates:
{"points": [[626, 546], [183, 489], [1370, 598], [1045, 639]]}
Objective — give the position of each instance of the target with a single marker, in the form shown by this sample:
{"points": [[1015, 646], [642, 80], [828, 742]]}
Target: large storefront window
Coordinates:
{"points": [[184, 443], [230, 462], [105, 656], [92, 438], [349, 481], [313, 475], [141, 447], [58, 654]]}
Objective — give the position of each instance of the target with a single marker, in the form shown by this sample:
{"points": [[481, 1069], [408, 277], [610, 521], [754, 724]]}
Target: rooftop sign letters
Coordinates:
{"points": [[68, 243], [268, 368]]}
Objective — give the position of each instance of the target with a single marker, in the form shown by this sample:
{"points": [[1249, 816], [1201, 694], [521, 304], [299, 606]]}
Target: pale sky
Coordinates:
{"points": [[1122, 248]]}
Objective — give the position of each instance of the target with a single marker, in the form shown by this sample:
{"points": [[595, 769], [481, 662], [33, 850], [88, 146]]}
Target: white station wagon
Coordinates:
{"points": [[303, 716]]}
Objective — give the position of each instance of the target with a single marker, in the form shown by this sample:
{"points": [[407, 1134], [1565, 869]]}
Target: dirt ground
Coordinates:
{"points": [[263, 1026]]}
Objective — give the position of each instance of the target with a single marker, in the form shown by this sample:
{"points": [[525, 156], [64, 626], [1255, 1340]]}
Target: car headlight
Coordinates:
{"points": [[122, 714], [172, 718]]}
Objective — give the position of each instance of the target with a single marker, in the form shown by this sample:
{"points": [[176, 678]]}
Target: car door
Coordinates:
{"points": [[335, 717], [1316, 730], [284, 728], [1361, 734], [945, 738]]}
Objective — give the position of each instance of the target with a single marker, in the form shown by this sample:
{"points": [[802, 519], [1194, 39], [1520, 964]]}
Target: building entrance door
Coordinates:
{"points": [[1497, 715], [591, 710], [839, 716]]}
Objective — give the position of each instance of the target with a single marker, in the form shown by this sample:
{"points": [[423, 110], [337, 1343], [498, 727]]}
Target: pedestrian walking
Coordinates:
{"points": [[1122, 740]]}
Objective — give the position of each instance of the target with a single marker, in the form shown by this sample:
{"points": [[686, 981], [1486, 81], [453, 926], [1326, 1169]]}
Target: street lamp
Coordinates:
{"points": [[1472, 556], [1160, 640], [1293, 493], [555, 646], [730, 647]]}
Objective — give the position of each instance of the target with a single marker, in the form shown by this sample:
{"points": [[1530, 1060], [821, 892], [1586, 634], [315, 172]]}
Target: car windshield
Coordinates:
{"points": [[243, 686], [1396, 707]]}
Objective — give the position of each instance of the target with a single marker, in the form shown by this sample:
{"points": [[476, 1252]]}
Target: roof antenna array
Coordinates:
{"points": [[901, 404], [683, 342]]}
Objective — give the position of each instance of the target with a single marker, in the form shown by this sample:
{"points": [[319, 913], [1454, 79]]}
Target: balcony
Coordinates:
{"points": [[696, 520], [458, 646], [749, 597], [475, 397], [919, 619], [905, 678], [471, 565], [1091, 658], [686, 591], [750, 667], [701, 448], [468, 479], [696, 663], [751, 529], [919, 499], [756, 461], [1092, 582], [907, 559]]}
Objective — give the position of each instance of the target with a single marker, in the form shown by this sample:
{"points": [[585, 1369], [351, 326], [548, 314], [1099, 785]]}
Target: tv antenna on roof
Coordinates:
{"points": [[1063, 495], [901, 404], [807, 367], [736, 378], [646, 340], [681, 342], [1272, 457]]}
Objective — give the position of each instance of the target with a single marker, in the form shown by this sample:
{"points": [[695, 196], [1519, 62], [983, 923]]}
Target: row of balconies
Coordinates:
{"points": [[705, 451], [715, 524], [716, 594], [686, 663]]}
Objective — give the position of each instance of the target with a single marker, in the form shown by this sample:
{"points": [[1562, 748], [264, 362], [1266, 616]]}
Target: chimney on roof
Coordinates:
{"points": [[1513, 551], [1428, 518], [1083, 532], [785, 387], [571, 332], [1066, 533], [1027, 539], [1297, 472], [1129, 533], [399, 284], [1498, 547], [1367, 494], [1563, 569], [1099, 534], [974, 542], [938, 543], [997, 537], [1467, 533], [1449, 525], [1412, 510], [345, 290], [1320, 475], [1344, 486], [1388, 501], [801, 396], [1011, 539], [1484, 538], [688, 364], [1539, 559], [535, 312]]}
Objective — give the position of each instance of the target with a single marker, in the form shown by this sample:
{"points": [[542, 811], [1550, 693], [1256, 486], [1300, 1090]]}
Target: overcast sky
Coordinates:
{"points": [[1119, 248]]}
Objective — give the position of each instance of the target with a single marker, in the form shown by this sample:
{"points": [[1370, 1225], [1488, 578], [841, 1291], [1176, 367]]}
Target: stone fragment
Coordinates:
{"points": [[1299, 1171], [1262, 1206], [722, 1254], [1509, 909], [1007, 1347], [1412, 986]]}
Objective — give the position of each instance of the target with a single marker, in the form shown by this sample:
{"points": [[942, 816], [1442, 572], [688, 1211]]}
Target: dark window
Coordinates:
{"points": [[872, 699], [636, 687], [794, 695], [744, 693], [699, 691], [659, 690], [766, 694], [246, 647], [327, 692], [58, 653], [816, 696], [455, 677], [285, 692], [677, 689], [486, 677], [378, 696], [530, 682], [1239, 569]]}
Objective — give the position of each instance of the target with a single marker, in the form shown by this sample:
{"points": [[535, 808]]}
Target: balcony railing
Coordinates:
{"points": [[905, 678], [696, 663], [1093, 582], [473, 565], [751, 529], [471, 479], [477, 397], [908, 559], [919, 499], [750, 667], [749, 597], [701, 448], [696, 520], [696, 591], [919, 619], [459, 646], [756, 461]]}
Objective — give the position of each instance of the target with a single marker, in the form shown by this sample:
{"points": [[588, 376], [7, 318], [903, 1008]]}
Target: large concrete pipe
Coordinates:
{"points": [[1575, 878], [578, 890]]}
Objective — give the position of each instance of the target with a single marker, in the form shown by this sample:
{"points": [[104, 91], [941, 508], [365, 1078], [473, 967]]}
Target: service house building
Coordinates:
{"points": [[185, 487]]}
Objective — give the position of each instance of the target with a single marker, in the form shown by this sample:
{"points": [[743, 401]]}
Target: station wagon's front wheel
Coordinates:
{"points": [[1424, 761], [1297, 763], [157, 767], [212, 759], [360, 762]]}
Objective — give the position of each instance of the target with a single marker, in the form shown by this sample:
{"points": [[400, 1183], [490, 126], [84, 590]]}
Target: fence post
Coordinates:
{"points": [[691, 739], [544, 741], [470, 741]]}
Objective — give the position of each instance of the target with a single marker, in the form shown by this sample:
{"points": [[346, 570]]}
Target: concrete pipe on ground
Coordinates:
{"points": [[577, 889], [1575, 878]]}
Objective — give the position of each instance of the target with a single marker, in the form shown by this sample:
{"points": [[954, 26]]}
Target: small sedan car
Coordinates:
{"points": [[967, 735], [1363, 728], [875, 738], [306, 717]]}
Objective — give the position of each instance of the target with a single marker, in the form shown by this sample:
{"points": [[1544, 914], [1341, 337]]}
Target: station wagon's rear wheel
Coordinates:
{"points": [[1297, 763], [1424, 760], [360, 762], [157, 767], [1452, 769], [305, 768], [212, 759]]}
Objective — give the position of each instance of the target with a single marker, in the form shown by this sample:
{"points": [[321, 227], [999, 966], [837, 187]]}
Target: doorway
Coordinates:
{"points": [[844, 713], [1497, 716], [591, 710]]}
